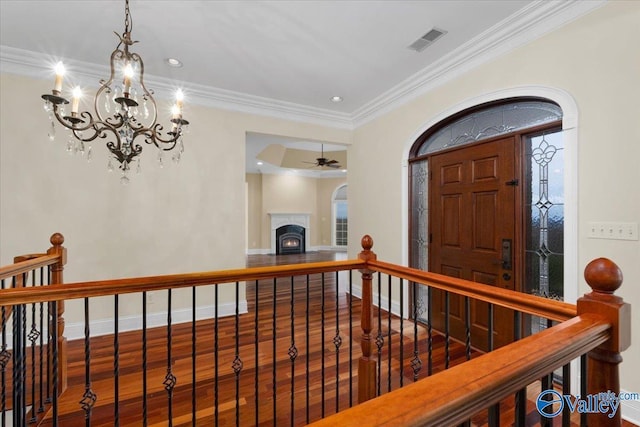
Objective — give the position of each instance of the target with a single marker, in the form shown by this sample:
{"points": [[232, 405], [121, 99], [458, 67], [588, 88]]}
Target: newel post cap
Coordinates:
{"points": [[603, 276], [57, 239], [367, 254], [366, 242]]}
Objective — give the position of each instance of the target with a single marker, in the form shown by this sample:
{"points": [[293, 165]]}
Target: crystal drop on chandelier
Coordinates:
{"points": [[52, 130]]}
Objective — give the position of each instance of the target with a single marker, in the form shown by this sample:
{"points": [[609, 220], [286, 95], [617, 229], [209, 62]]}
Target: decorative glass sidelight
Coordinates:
{"points": [[544, 189], [544, 218]]}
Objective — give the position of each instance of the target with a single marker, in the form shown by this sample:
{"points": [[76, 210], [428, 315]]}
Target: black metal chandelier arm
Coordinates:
{"points": [[80, 125], [154, 136]]}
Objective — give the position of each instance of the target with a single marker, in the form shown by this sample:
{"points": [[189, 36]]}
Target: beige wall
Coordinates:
{"points": [[190, 217], [182, 218], [594, 60], [289, 193]]}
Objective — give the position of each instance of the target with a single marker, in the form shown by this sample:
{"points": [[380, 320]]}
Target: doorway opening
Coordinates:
{"points": [[525, 164]]}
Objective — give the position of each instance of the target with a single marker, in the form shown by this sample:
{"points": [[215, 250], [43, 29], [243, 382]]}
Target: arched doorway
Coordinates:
{"points": [[487, 202]]}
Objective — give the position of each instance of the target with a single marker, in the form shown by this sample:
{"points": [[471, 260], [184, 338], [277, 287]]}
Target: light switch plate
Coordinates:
{"points": [[613, 230]]}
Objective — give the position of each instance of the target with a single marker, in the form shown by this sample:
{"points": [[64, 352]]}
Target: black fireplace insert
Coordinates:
{"points": [[290, 239]]}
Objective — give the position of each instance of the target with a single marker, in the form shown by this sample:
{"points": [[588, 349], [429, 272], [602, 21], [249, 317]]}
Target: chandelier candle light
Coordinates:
{"points": [[117, 112]]}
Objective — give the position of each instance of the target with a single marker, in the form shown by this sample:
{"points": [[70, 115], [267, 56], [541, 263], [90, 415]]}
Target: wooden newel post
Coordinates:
{"points": [[604, 277], [57, 269], [366, 365]]}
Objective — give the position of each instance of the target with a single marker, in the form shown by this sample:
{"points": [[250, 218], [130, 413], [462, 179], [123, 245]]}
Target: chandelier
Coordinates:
{"points": [[123, 110]]}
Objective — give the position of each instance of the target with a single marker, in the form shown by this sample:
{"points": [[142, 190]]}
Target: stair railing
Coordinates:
{"points": [[33, 349], [596, 330]]}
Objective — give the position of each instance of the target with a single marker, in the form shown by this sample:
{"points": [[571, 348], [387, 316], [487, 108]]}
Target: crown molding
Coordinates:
{"points": [[530, 23], [37, 65], [533, 21]]}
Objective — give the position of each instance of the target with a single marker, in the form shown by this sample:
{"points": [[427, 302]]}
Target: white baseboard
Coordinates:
{"points": [[329, 248], [131, 323], [258, 251], [630, 409], [384, 301]]}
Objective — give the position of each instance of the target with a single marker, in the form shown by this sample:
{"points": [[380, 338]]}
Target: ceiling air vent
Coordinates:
{"points": [[424, 41]]}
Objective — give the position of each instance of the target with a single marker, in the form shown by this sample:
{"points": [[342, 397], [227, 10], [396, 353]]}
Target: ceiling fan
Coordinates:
{"points": [[322, 161]]}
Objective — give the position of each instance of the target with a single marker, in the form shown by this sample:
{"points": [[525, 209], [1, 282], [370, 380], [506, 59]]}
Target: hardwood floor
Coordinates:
{"points": [[270, 388]]}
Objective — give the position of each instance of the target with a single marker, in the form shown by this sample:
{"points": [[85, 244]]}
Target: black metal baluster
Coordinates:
{"points": [[24, 352], [467, 324], [19, 392], [350, 338], [169, 379], [293, 352], [546, 383], [144, 359], [216, 373], [322, 379], [89, 397], [50, 321], [583, 386], [273, 356], [337, 342], [256, 337], [401, 332], [49, 353], [389, 334], [41, 354], [429, 333], [307, 351], [53, 327], [193, 356], [4, 359], [494, 410], [521, 395], [33, 337], [566, 390], [379, 338], [237, 362], [416, 363], [116, 364]]}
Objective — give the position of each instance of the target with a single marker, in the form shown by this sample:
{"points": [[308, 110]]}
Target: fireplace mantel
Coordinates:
{"points": [[278, 219]]}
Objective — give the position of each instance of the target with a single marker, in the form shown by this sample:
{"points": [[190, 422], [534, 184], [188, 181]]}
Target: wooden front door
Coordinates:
{"points": [[472, 226]]}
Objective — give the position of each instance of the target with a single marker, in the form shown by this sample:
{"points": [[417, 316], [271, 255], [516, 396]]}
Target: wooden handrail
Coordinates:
{"points": [[454, 395], [526, 303], [153, 283], [42, 260]]}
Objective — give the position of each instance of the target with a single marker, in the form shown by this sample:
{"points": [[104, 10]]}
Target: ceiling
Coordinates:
{"points": [[279, 58]]}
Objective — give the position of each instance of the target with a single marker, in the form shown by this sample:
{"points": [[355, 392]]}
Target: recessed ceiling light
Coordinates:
{"points": [[336, 99], [259, 163], [344, 170], [173, 62]]}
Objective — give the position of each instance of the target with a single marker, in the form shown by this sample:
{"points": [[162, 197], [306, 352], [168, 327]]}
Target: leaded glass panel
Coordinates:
{"points": [[545, 207], [419, 215], [490, 122]]}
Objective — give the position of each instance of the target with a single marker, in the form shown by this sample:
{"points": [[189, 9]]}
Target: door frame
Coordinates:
{"points": [[572, 270]]}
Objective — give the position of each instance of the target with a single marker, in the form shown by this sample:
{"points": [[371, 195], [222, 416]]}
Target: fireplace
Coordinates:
{"points": [[290, 239], [283, 219]]}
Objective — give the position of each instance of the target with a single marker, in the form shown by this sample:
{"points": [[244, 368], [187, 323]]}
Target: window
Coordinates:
{"points": [[340, 223]]}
